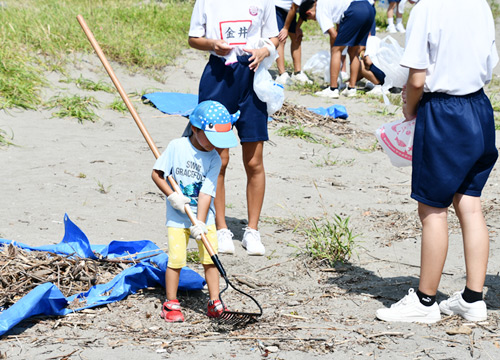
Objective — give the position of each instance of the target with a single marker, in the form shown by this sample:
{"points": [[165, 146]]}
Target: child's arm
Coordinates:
{"points": [[413, 92], [204, 201], [220, 47], [177, 201], [257, 55], [288, 21]]}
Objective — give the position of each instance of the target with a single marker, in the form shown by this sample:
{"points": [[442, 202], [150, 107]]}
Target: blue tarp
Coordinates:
{"points": [[47, 299], [183, 104]]}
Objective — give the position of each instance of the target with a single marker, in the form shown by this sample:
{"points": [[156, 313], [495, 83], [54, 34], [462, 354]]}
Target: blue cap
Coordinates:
{"points": [[213, 118]]}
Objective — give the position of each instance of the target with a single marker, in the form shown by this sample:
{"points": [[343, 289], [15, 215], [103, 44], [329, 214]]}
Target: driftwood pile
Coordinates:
{"points": [[299, 115], [21, 271]]}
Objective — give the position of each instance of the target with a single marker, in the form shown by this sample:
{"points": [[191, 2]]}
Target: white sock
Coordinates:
{"points": [[390, 21], [399, 21]]}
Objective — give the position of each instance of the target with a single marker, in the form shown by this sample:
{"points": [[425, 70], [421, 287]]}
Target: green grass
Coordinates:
{"points": [[5, 140], [87, 84], [329, 241], [193, 256], [75, 106], [297, 131], [118, 105], [43, 35]]}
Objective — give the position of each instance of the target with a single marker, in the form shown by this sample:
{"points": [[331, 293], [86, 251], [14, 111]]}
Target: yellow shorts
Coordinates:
{"points": [[178, 239]]}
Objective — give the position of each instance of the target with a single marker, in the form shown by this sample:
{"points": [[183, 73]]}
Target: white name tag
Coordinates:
{"points": [[235, 32]]}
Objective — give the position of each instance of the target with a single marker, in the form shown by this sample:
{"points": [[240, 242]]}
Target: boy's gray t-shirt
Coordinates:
{"points": [[195, 171]]}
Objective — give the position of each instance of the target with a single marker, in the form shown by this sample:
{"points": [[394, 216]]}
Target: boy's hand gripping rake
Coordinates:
{"points": [[227, 317]]}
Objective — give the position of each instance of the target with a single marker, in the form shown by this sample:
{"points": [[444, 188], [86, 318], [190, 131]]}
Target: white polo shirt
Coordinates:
{"points": [[236, 22], [329, 12], [455, 41], [286, 4]]}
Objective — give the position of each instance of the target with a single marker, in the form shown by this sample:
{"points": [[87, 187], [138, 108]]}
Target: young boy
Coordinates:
{"points": [[227, 29], [195, 166], [354, 21], [286, 15], [453, 150]]}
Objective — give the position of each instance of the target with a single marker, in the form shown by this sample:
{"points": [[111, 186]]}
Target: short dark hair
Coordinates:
{"points": [[305, 7]]}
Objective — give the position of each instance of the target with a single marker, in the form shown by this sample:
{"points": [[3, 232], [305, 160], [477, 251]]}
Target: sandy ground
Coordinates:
{"points": [[59, 166]]}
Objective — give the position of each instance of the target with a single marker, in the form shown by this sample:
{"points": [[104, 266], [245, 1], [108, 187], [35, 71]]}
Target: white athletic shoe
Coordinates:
{"points": [[377, 90], [225, 241], [328, 93], [455, 304], [409, 309], [284, 79], [252, 243], [400, 28], [301, 78], [344, 76], [350, 92], [392, 29]]}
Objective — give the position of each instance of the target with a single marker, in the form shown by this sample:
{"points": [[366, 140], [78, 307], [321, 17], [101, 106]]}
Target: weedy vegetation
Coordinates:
{"points": [[78, 107]]}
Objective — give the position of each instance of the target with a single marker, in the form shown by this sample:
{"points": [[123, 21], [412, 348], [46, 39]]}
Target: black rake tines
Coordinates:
{"points": [[228, 317]]}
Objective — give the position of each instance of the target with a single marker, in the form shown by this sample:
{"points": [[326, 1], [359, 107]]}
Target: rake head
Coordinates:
{"points": [[237, 317]]}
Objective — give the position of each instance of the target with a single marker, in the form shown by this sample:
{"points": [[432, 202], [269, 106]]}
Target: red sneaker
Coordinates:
{"points": [[171, 311], [215, 309]]}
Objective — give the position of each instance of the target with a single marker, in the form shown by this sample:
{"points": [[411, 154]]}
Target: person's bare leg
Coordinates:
{"points": [[475, 237], [280, 61], [390, 10], [296, 52], [256, 180], [172, 282], [434, 247], [335, 63], [220, 197], [212, 279], [353, 52]]}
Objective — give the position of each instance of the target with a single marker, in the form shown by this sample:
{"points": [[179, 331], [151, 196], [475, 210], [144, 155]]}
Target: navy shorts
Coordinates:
{"points": [[281, 15], [232, 86], [394, 1], [453, 148], [356, 24]]}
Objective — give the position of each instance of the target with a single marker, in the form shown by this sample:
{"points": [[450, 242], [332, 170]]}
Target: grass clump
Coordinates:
{"points": [[330, 241], [5, 140], [41, 35], [78, 107], [297, 131], [87, 84], [192, 256], [118, 105]]}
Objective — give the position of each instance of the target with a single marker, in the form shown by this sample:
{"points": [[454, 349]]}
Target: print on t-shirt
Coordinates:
{"points": [[235, 32]]}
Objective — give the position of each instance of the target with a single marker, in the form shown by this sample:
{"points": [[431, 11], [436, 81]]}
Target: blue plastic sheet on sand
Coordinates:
{"points": [[335, 111], [173, 103], [47, 299], [184, 104]]}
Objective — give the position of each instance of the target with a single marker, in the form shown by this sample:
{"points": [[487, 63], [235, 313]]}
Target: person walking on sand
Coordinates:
{"points": [[230, 31], [286, 15], [354, 20], [195, 165], [453, 150]]}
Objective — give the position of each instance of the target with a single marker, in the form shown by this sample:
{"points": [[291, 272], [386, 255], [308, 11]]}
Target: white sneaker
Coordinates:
{"points": [[391, 29], [409, 309], [377, 90], [252, 243], [400, 28], [225, 241], [329, 93], [301, 78], [455, 304], [350, 92], [344, 76], [284, 79]]}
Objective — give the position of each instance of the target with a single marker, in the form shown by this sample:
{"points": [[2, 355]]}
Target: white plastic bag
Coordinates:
{"points": [[267, 90], [387, 58], [396, 138], [318, 65]]}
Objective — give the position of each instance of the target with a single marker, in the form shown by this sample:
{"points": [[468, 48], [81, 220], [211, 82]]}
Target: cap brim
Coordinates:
{"points": [[222, 140]]}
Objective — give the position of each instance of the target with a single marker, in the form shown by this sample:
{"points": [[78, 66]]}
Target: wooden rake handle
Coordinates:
{"points": [[118, 86], [138, 121]]}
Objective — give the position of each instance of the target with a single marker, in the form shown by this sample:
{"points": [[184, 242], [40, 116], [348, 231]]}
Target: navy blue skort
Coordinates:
{"points": [[356, 24], [281, 15], [232, 86], [453, 148]]}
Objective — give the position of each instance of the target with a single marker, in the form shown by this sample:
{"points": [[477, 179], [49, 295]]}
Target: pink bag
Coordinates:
{"points": [[396, 138]]}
